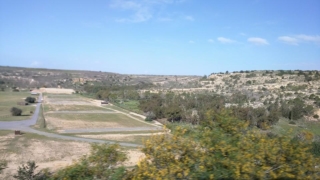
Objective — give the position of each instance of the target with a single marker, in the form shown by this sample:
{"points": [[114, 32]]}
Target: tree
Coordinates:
{"points": [[223, 147], [16, 111], [30, 99], [105, 158]]}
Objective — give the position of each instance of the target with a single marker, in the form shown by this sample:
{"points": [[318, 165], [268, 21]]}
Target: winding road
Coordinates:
{"points": [[24, 125]]}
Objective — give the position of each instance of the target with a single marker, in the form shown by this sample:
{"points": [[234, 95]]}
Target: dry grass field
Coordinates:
{"points": [[46, 152]]}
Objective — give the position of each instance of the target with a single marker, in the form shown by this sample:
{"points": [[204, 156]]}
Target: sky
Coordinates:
{"points": [[162, 37]]}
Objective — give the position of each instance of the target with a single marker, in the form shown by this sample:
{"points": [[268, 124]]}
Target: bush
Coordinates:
{"points": [[28, 171], [30, 99], [315, 150], [3, 165], [316, 116], [292, 122], [16, 111]]}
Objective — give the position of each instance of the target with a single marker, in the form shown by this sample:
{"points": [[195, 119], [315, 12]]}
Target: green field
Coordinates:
{"points": [[9, 100], [121, 119], [283, 127], [130, 105]]}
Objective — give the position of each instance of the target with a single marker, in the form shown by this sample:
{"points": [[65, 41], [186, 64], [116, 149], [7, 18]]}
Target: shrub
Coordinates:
{"points": [[315, 150], [316, 116], [3, 165], [292, 122], [30, 99], [16, 111], [28, 171]]}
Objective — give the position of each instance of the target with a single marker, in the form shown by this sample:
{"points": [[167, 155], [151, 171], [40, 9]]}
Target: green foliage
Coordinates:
{"points": [[104, 162], [250, 75], [76, 171], [16, 111], [173, 113], [204, 78], [315, 150], [291, 87], [3, 165], [104, 158], [225, 148], [28, 172], [30, 99], [295, 109]]}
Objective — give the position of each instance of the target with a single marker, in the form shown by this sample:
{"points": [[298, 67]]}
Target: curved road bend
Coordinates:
{"points": [[24, 125]]}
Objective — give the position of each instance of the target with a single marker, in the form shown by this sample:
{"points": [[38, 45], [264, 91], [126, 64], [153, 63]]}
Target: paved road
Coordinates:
{"points": [[24, 126]]}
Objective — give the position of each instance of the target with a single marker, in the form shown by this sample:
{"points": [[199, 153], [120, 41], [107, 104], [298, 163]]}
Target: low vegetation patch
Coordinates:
{"points": [[13, 99]]}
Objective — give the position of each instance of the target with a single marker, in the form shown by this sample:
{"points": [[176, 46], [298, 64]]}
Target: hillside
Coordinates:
{"points": [[34, 77]]}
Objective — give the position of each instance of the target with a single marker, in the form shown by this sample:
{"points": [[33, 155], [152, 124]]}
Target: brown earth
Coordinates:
{"points": [[48, 154]]}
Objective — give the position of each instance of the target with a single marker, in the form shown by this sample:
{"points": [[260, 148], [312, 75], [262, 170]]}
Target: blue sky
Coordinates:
{"points": [[191, 37]]}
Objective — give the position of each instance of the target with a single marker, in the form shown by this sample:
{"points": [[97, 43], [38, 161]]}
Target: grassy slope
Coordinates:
{"points": [[9, 100], [130, 105], [283, 127]]}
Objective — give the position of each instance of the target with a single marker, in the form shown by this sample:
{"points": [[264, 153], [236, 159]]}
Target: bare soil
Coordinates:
{"points": [[48, 154], [56, 123], [56, 90]]}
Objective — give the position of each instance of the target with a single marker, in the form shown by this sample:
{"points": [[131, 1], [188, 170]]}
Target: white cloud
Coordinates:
{"points": [[288, 40], [307, 38], [225, 40], [210, 40], [35, 64], [141, 10], [296, 39], [257, 41], [189, 18]]}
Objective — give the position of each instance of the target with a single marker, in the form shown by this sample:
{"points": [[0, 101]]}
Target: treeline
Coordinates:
{"points": [[191, 107], [114, 92]]}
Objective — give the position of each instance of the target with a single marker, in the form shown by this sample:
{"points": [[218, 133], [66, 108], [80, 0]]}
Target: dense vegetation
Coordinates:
{"points": [[191, 107], [220, 147]]}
